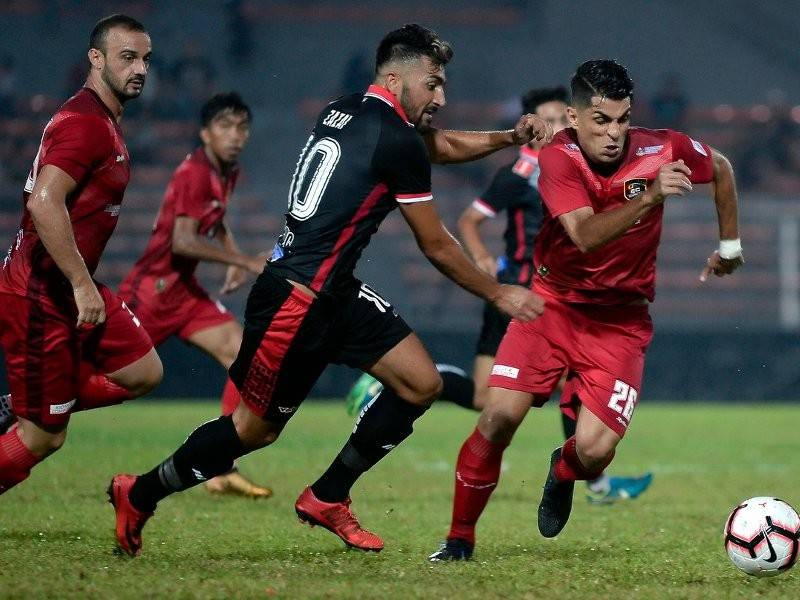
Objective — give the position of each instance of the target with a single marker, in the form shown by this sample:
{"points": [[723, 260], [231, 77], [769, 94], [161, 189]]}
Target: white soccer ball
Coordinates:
{"points": [[762, 536]]}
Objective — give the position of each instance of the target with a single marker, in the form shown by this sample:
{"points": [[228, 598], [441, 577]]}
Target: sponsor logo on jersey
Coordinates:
{"points": [[699, 147], [573, 147], [215, 203], [287, 410], [113, 209], [647, 150], [633, 187], [505, 371], [60, 409], [120, 158]]}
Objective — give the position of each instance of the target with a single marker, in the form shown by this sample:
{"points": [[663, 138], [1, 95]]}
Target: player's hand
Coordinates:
{"points": [[234, 279], [91, 308], [720, 266], [487, 264], [519, 302], [672, 180], [531, 128], [256, 264]]}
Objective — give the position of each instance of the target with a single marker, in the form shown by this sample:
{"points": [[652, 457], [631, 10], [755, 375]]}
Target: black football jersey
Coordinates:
{"points": [[514, 190], [363, 157]]}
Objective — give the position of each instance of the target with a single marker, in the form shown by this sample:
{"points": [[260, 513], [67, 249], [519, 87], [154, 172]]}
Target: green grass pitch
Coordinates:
{"points": [[56, 529]]}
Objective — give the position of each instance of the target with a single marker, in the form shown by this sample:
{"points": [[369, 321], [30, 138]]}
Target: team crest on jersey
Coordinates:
{"points": [[634, 187], [215, 203]]}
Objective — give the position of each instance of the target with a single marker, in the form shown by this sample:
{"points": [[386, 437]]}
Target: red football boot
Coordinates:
{"points": [[337, 518], [129, 520]]}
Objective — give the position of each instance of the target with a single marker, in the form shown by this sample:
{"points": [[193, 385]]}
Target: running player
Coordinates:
{"points": [[364, 158], [515, 190], [603, 184], [70, 344], [162, 289]]}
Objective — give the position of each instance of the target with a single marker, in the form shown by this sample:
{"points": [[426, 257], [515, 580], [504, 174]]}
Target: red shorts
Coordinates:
{"points": [[182, 312], [604, 346], [43, 351]]}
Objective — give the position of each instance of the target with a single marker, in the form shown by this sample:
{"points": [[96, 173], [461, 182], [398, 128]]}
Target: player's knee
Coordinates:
{"points": [[424, 390], [149, 379], [43, 444], [596, 454], [253, 431], [499, 422]]}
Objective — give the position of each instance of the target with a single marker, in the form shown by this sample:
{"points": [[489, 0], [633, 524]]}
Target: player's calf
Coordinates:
{"points": [[17, 460]]}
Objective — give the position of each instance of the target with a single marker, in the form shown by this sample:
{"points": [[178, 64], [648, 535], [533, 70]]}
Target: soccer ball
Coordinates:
{"points": [[762, 536]]}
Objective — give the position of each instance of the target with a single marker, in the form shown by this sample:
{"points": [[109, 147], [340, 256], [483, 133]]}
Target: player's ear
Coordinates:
{"points": [[96, 58], [205, 136], [394, 83], [572, 116]]}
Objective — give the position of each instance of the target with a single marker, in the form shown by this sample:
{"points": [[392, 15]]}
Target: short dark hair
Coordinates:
{"points": [[412, 42], [228, 101], [605, 77], [532, 99], [97, 39]]}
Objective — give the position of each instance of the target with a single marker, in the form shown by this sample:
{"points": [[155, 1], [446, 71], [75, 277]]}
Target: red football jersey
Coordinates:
{"points": [[84, 140], [196, 190], [623, 270]]}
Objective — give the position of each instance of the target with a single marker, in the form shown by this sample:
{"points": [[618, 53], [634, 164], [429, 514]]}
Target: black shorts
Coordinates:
{"points": [[495, 322], [289, 339], [493, 329]]}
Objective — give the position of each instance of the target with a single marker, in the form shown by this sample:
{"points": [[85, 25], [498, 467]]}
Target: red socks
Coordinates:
{"points": [[230, 398], [16, 461], [570, 468], [98, 390], [477, 473]]}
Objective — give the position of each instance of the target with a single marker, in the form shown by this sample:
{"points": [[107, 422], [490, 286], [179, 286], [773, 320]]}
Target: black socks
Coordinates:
{"points": [[209, 451]]}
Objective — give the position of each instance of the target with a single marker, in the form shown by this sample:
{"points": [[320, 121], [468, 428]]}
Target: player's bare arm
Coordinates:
{"points": [[48, 209], [469, 227], [187, 241], [728, 257], [235, 276], [446, 254], [448, 146], [590, 231]]}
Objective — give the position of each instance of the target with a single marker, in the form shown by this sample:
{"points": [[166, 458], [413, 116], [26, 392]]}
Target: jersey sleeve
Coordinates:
{"points": [[76, 144], [401, 160], [696, 155], [560, 183], [190, 190], [506, 188]]}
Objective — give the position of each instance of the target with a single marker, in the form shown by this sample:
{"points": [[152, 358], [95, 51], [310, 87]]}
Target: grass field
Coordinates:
{"points": [[56, 529]]}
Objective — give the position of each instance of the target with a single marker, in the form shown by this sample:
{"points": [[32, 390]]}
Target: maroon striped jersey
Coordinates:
{"points": [[362, 159], [623, 270], [515, 190], [84, 140]]}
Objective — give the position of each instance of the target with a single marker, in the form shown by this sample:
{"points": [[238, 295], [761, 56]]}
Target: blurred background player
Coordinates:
{"points": [[514, 190], [70, 344], [366, 156], [603, 185], [162, 289]]}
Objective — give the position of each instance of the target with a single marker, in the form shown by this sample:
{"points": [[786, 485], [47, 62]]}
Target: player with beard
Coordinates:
{"points": [[367, 155], [70, 344], [162, 289], [514, 190], [603, 184]]}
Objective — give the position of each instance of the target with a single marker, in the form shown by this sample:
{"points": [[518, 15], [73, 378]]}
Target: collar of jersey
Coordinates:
{"points": [[384, 95]]}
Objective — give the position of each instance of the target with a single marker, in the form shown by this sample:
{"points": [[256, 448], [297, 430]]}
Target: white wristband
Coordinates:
{"points": [[730, 249]]}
